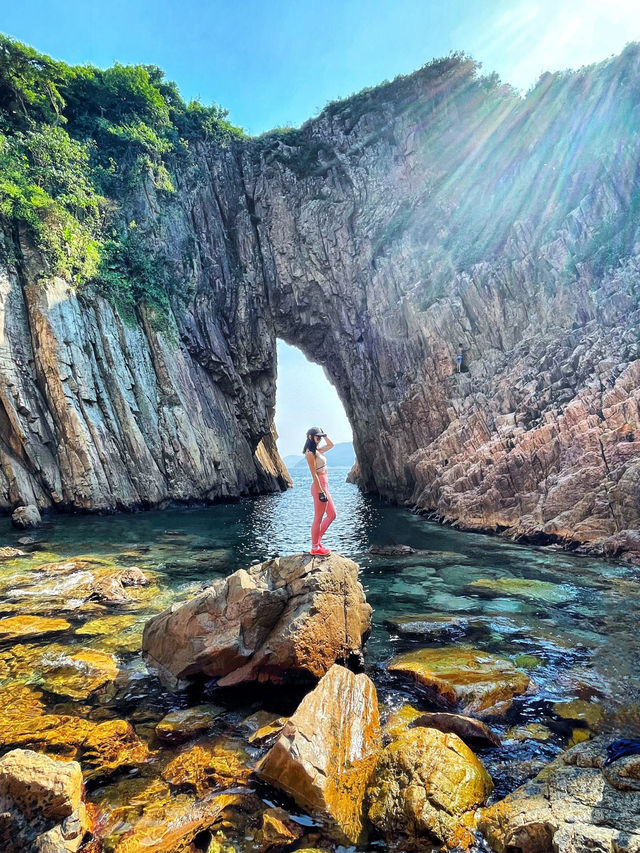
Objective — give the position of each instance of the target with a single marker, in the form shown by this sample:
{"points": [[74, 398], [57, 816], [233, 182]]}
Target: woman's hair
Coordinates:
{"points": [[310, 445]]}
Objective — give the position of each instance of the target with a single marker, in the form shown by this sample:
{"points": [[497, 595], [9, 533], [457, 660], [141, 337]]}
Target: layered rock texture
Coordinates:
{"points": [[290, 618], [434, 216], [575, 804], [327, 752]]}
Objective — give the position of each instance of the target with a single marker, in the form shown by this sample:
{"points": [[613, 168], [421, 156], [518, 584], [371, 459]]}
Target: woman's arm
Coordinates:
{"points": [[311, 461], [328, 444]]}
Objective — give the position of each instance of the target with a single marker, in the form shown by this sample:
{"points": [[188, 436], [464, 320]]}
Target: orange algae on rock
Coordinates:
{"points": [[327, 751], [207, 765], [480, 681], [426, 787]]}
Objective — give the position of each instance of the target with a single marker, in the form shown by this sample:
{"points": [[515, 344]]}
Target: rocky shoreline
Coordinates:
{"points": [[340, 768]]}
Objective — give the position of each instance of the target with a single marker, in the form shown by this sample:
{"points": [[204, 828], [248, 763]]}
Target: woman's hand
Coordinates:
{"points": [[328, 444]]}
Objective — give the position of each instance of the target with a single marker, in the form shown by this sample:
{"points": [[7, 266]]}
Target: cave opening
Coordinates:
{"points": [[305, 397]]}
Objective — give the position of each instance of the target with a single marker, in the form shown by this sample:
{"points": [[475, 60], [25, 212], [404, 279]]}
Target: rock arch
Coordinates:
{"points": [[436, 210]]}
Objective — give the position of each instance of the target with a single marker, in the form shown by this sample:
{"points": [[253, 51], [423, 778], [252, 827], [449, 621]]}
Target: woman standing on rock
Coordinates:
{"points": [[322, 500]]}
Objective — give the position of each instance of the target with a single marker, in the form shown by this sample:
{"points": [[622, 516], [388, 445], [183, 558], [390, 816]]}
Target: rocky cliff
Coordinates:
{"points": [[433, 216]]}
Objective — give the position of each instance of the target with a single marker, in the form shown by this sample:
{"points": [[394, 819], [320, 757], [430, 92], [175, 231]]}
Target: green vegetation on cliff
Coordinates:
{"points": [[75, 141]]}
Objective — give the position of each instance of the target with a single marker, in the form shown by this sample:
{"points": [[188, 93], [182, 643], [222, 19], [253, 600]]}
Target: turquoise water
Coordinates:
{"points": [[575, 634]]}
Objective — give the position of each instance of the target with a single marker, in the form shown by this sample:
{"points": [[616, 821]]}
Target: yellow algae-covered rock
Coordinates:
{"points": [[182, 725], [77, 675], [7, 553], [523, 588], [327, 751], [580, 711], [479, 681], [532, 731], [579, 736], [170, 827], [30, 626], [270, 730], [110, 746], [217, 763], [42, 803], [426, 787], [110, 624], [399, 720], [277, 830]]}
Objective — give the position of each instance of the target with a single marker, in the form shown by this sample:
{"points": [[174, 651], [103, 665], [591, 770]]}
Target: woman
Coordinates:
{"points": [[322, 500]]}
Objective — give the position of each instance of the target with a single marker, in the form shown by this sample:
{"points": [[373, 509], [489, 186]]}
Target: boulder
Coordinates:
{"points": [[481, 682], [426, 788], [471, 731], [26, 517], [575, 804], [327, 752], [41, 804], [290, 618]]}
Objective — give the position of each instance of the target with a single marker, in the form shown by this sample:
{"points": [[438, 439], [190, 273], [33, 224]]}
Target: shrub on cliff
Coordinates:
{"points": [[76, 144]]}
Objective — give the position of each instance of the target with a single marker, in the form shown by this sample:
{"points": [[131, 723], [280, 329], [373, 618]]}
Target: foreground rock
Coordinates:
{"points": [[291, 617], [26, 517], [41, 804], [574, 805], [482, 683], [426, 789], [327, 752]]}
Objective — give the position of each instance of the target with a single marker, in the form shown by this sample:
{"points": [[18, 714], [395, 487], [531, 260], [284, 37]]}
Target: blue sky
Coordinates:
{"points": [[278, 62]]}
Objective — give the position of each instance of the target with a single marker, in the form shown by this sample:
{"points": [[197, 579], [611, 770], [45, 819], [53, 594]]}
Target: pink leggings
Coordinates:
{"points": [[319, 527]]}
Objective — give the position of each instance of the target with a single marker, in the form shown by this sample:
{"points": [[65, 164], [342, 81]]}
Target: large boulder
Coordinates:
{"points": [[41, 804], [26, 517], [327, 752], [574, 804], [288, 618], [426, 789]]}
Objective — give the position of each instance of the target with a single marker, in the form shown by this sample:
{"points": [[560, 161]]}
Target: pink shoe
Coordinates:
{"points": [[320, 551]]}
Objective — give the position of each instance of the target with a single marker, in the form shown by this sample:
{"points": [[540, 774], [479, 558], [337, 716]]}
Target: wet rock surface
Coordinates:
{"points": [[327, 751], [480, 682], [42, 805], [285, 618], [574, 804], [426, 788]]}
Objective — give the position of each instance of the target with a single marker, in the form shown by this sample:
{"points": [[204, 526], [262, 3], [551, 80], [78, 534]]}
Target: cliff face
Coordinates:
{"points": [[435, 215]]}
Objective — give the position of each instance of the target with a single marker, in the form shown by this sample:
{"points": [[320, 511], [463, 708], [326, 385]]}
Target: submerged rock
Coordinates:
{"points": [[291, 617], [30, 626], [426, 788], [399, 720], [79, 674], [524, 588], [481, 682], [327, 751], [179, 726], [217, 763], [42, 804], [574, 804], [429, 626], [26, 517], [392, 550]]}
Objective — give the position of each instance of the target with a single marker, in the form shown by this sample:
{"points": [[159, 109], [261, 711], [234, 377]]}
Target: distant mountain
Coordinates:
{"points": [[292, 459], [341, 455]]}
